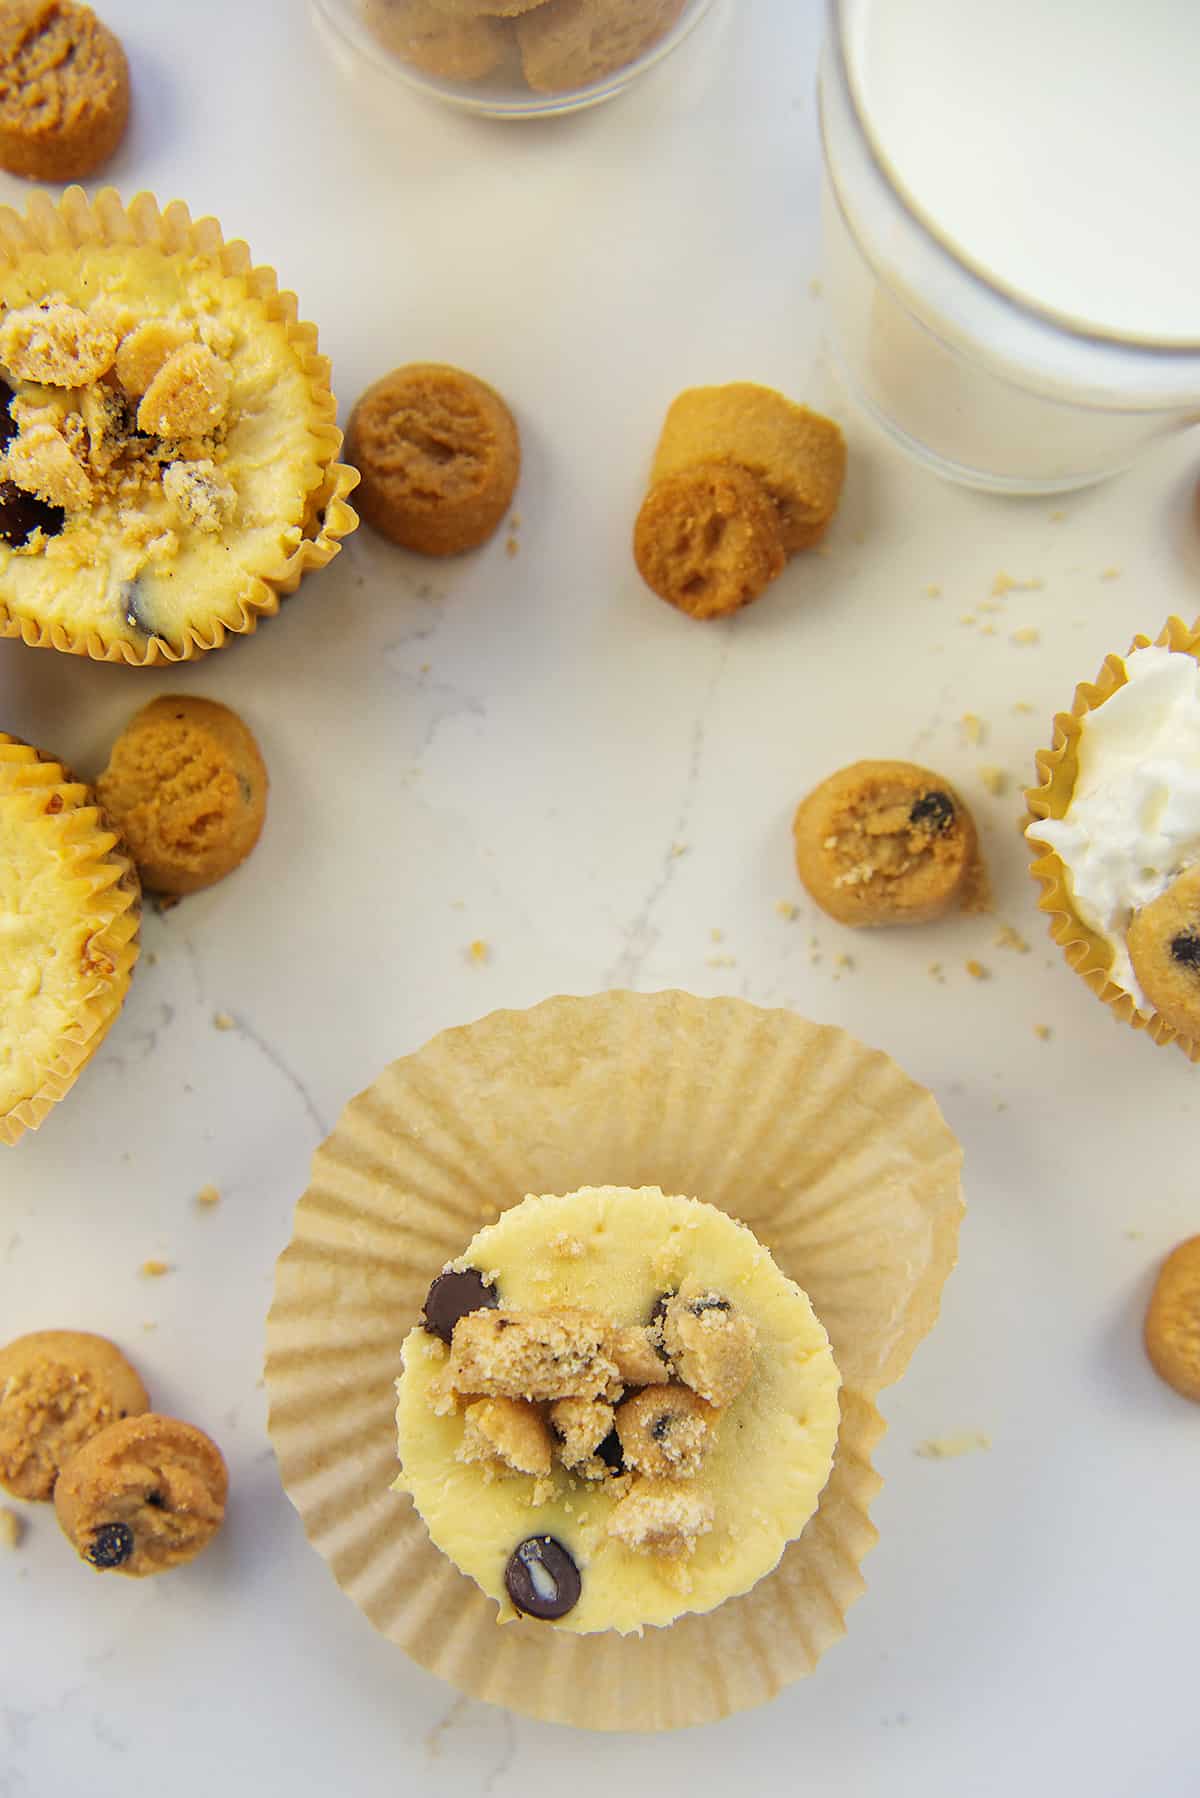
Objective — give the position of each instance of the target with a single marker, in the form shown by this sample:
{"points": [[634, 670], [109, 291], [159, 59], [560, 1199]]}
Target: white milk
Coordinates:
{"points": [[1054, 147], [1055, 143]]}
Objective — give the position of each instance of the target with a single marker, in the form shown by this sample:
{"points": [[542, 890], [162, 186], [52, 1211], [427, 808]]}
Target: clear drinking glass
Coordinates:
{"points": [[973, 381]]}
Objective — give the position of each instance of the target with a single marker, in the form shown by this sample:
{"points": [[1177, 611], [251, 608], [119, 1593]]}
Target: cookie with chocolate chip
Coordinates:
{"points": [[888, 843], [142, 1496], [1164, 947]]}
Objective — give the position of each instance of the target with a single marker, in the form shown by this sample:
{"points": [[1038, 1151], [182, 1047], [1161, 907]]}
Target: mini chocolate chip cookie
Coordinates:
{"points": [[186, 786], [64, 90], [888, 843], [1172, 1332], [439, 454], [708, 539], [58, 1389], [1164, 947], [143, 1496]]}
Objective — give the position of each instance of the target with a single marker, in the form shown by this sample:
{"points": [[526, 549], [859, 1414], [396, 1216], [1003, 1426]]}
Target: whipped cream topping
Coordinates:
{"points": [[1133, 823]]}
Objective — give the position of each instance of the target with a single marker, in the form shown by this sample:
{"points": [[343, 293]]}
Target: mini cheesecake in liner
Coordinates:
{"points": [[841, 1166]]}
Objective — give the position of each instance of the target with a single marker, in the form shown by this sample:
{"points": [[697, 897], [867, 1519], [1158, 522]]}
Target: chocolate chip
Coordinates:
{"points": [[21, 514], [156, 1501], [454, 1295], [130, 608], [660, 1428], [112, 1545], [710, 1302], [8, 429], [935, 811], [542, 1579], [658, 1310], [611, 1453], [1185, 949]]}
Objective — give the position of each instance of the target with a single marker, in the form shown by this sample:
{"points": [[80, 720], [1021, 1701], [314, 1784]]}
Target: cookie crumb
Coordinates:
{"points": [[933, 591], [721, 961], [1043, 1032], [815, 287], [949, 1448], [968, 618], [973, 729], [995, 780], [511, 547], [1057, 516], [479, 951], [786, 909], [1027, 634], [12, 1528], [1008, 938], [678, 849], [1135, 1235], [223, 1021], [715, 935], [1003, 583], [935, 971], [154, 1270], [208, 1195], [1110, 574], [976, 970]]}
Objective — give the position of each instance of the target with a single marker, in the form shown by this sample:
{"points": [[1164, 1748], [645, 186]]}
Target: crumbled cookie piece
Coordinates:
{"points": [[188, 395], [40, 461], [56, 344], [638, 1354], [509, 1432], [1172, 1329], [143, 351], [666, 1431], [109, 424], [199, 495], [12, 1528], [660, 1519], [535, 1355], [711, 1345], [581, 1425]]}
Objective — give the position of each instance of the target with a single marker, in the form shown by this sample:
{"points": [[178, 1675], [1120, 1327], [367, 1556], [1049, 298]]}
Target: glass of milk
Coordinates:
{"points": [[1010, 205]]}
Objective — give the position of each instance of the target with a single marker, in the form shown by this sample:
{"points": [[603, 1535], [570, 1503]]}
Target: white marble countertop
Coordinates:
{"points": [[513, 749]]}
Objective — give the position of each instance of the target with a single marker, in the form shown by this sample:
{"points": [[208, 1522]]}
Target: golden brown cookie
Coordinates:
{"points": [[798, 455], [571, 43], [1172, 1331], [143, 1496], [187, 788], [466, 48], [888, 843], [1164, 947], [58, 1388], [439, 455], [64, 90], [708, 539], [476, 9]]}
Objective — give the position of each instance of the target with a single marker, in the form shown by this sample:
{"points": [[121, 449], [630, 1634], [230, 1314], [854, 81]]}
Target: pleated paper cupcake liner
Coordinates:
{"points": [[841, 1165]]}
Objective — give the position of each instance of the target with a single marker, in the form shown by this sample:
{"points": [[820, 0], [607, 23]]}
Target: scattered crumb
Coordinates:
{"points": [[815, 288], [968, 618], [933, 591], [1043, 1032], [165, 902], [223, 1021], [208, 1195], [1135, 1235], [425, 668], [457, 904], [478, 951], [511, 547], [844, 961], [715, 935], [151, 958], [721, 961], [149, 1327], [1009, 938], [12, 1528], [1001, 1104], [1057, 516], [1003, 583], [995, 780], [973, 729], [1110, 574], [514, 523], [786, 909], [976, 970], [154, 1270], [948, 1448], [1023, 706], [989, 606], [935, 969], [678, 849], [1027, 634]]}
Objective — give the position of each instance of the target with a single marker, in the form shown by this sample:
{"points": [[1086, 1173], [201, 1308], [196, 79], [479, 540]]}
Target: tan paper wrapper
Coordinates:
{"points": [[842, 1166], [1090, 955], [76, 220], [109, 892]]}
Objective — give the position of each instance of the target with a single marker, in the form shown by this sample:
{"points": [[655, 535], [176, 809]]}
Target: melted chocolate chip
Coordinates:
{"points": [[710, 1302], [454, 1295], [934, 811], [541, 1578], [611, 1453], [112, 1545], [658, 1310], [661, 1426], [156, 1501], [1185, 949], [21, 514], [8, 429], [130, 609]]}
